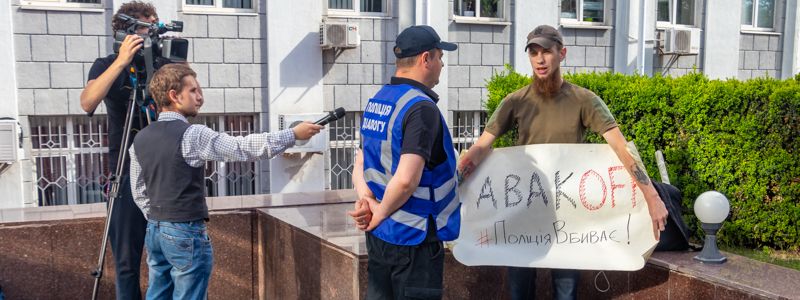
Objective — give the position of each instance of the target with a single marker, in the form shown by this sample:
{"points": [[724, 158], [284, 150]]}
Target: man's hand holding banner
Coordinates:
{"points": [[566, 206]]}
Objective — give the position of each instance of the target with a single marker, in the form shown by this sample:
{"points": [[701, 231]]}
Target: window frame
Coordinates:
{"points": [[505, 7], [754, 27], [218, 9], [674, 12], [579, 17], [356, 11], [62, 5]]}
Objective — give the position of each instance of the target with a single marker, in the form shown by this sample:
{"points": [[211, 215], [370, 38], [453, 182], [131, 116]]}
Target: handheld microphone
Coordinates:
{"points": [[332, 116]]}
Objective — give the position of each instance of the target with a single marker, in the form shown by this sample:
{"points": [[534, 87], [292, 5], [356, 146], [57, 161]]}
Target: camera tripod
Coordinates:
{"points": [[139, 98]]}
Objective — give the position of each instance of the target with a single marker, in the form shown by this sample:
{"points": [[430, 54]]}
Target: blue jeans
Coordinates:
{"points": [[522, 282], [179, 257]]}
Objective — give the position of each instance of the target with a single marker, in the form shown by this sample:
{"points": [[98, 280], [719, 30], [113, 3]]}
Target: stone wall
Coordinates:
{"points": [[54, 51], [588, 50], [353, 75], [229, 55], [760, 55], [483, 49]]}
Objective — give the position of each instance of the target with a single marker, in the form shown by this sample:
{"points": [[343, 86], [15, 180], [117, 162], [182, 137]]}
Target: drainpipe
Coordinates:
{"points": [[641, 42], [791, 40]]}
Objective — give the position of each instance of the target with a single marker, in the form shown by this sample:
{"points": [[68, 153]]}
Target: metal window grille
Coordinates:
{"points": [[467, 127], [71, 159], [345, 139], [230, 178]]}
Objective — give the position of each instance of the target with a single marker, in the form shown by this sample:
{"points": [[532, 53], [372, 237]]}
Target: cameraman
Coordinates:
{"points": [[109, 82]]}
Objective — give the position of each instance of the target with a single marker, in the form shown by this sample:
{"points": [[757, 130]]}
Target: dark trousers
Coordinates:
{"points": [[126, 234], [522, 282], [404, 272]]}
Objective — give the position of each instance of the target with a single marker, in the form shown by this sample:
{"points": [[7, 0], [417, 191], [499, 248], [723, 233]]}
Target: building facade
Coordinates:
{"points": [[261, 65]]}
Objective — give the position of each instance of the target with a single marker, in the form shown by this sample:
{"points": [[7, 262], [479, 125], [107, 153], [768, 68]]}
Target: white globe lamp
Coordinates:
{"points": [[711, 208]]}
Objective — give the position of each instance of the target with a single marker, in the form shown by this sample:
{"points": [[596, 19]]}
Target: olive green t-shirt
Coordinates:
{"points": [[563, 118]]}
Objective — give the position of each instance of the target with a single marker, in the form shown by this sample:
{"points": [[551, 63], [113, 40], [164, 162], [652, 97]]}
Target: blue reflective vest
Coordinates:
{"points": [[382, 133]]}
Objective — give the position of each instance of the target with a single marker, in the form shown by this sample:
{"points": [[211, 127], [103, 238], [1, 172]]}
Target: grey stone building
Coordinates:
{"points": [[261, 64]]}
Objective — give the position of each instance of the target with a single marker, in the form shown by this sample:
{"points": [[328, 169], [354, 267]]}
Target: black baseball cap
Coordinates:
{"points": [[417, 39], [545, 36]]}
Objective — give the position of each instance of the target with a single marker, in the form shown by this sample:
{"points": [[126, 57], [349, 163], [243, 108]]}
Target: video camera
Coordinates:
{"points": [[171, 48], [156, 51]]}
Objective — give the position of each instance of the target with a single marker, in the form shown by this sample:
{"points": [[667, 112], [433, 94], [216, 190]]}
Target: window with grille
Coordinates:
{"points": [[758, 15], [467, 127], [345, 139], [358, 7], [70, 156], [219, 6], [583, 12], [230, 178]]}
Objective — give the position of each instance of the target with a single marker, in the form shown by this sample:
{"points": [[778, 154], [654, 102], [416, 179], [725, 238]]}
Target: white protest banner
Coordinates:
{"points": [[566, 206]]}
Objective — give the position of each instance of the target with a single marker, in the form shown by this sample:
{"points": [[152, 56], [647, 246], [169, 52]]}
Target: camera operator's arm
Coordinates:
{"points": [[97, 88], [138, 189]]}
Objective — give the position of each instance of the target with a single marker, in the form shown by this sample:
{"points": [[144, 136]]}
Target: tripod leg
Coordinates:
{"points": [[114, 194]]}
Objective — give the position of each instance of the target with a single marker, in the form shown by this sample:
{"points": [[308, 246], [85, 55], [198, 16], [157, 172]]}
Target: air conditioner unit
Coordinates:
{"points": [[317, 143], [10, 141], [339, 35], [682, 41]]}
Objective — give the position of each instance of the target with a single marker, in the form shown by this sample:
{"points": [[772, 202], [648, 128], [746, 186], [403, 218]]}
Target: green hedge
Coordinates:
{"points": [[736, 137]]}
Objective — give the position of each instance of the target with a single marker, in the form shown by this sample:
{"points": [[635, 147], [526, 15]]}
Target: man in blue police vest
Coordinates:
{"points": [[405, 175]]}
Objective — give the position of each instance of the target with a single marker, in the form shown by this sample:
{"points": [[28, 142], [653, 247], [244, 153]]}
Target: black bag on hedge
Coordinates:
{"points": [[675, 236]]}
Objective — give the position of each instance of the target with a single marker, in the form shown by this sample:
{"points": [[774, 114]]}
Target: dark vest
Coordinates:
{"points": [[175, 189]]}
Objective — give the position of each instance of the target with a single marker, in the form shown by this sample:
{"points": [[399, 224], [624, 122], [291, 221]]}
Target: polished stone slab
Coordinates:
{"points": [[667, 275], [49, 252], [53, 259], [739, 273], [98, 210], [295, 264], [327, 222], [305, 246]]}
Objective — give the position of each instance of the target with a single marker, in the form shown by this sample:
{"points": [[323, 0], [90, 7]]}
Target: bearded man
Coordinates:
{"points": [[551, 110]]}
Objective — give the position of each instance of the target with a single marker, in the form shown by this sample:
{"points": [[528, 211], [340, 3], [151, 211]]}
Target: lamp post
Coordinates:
{"points": [[711, 208]]}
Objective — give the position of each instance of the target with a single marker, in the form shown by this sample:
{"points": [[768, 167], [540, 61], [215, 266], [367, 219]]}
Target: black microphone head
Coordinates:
{"points": [[339, 112]]}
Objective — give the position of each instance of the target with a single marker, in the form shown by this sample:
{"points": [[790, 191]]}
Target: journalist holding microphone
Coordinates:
{"points": [[167, 175]]}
